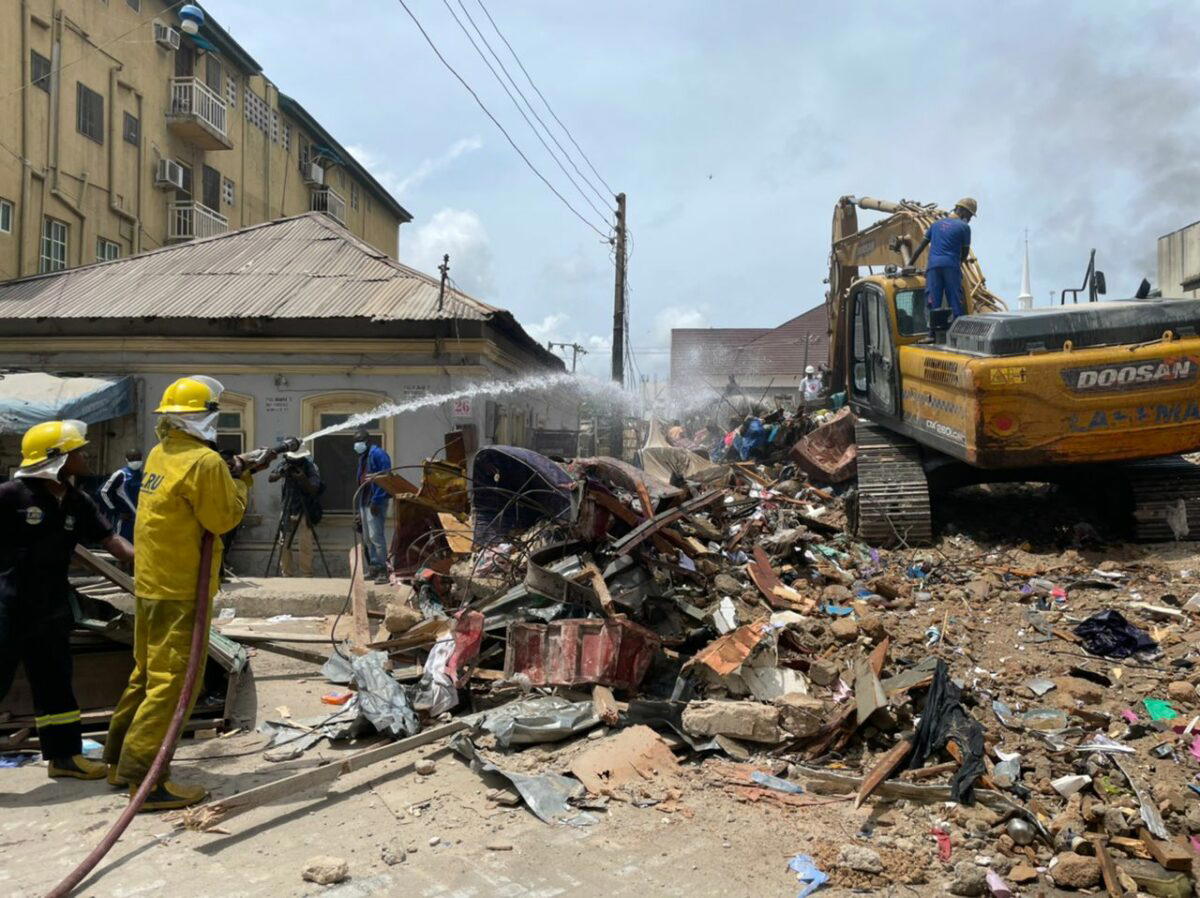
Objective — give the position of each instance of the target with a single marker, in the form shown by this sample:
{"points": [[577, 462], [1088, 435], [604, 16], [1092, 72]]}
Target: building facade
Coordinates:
{"points": [[1179, 262], [305, 325], [123, 134], [765, 364]]}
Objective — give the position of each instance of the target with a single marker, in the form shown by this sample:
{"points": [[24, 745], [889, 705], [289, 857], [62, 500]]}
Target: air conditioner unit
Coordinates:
{"points": [[169, 175], [314, 174], [166, 36]]}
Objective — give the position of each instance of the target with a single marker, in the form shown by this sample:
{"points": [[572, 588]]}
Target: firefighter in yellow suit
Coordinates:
{"points": [[187, 488]]}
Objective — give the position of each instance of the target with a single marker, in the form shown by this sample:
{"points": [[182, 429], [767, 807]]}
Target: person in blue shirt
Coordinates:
{"points": [[753, 439], [372, 505], [120, 493], [949, 242]]}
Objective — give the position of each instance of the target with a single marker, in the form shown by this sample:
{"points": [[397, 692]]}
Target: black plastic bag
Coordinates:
{"points": [[1109, 635], [946, 720]]}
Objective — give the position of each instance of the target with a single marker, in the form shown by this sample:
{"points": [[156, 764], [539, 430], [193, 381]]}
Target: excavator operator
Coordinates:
{"points": [[187, 489], [949, 242], [43, 515]]}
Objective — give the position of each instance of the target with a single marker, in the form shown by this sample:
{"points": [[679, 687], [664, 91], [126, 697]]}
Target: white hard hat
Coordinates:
{"points": [[810, 370]]}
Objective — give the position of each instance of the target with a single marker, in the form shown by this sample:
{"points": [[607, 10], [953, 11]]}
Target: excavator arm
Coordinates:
{"points": [[889, 241]]}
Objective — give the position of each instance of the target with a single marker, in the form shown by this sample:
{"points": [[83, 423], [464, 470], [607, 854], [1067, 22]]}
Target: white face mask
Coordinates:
{"points": [[134, 465], [360, 448], [203, 426]]}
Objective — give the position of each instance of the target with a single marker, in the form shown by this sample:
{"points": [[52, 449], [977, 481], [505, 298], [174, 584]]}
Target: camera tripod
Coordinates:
{"points": [[291, 535]]}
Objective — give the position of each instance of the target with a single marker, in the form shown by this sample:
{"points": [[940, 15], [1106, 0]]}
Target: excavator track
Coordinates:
{"points": [[1166, 498], [892, 505]]}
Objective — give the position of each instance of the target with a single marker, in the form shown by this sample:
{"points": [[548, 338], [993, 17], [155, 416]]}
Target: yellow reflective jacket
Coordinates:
{"points": [[186, 489]]}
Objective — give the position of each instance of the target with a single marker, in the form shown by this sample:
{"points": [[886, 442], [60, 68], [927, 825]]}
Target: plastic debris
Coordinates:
{"points": [[807, 873], [943, 843], [1110, 635], [998, 887], [1159, 709], [774, 782]]}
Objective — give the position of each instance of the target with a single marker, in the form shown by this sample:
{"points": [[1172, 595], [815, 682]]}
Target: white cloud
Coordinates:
{"points": [[430, 166], [378, 166], [672, 317], [398, 185], [547, 328], [461, 233]]}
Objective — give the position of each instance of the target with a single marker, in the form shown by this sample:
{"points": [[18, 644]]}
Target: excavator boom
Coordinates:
{"points": [[888, 241]]}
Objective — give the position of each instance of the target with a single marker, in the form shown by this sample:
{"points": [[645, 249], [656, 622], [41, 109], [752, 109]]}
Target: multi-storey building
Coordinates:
{"points": [[121, 133]]}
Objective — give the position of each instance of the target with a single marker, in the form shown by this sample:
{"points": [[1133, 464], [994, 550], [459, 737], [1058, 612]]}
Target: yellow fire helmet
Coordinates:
{"points": [[195, 393], [51, 439]]}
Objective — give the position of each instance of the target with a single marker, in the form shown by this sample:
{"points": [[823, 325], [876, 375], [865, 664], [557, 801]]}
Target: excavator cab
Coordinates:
{"points": [[885, 314]]}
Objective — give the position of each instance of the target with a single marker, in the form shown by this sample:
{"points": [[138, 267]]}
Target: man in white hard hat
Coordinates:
{"points": [[811, 386]]}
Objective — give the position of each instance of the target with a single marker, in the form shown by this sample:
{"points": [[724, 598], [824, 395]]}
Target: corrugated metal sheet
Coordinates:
{"points": [[302, 267], [715, 353]]}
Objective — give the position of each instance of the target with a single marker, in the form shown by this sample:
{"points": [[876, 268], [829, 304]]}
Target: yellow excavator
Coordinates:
{"points": [[1093, 389]]}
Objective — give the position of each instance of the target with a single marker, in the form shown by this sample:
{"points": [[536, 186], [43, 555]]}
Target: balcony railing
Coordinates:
{"points": [[199, 113], [191, 221], [329, 201]]}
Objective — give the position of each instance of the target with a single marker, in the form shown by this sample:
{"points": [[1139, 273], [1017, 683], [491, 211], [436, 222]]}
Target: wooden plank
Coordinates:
{"points": [[104, 569], [600, 587], [1112, 882], [360, 636], [1171, 855], [891, 759], [209, 815], [605, 705], [458, 533]]}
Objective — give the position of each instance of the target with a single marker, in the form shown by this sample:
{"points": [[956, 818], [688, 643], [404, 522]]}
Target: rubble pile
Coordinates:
{"points": [[992, 719]]}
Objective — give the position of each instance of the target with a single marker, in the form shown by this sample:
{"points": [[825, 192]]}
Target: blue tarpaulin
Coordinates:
{"points": [[30, 398]]}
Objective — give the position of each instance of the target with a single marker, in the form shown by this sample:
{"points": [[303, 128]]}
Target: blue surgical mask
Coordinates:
{"points": [[134, 465], [360, 447]]}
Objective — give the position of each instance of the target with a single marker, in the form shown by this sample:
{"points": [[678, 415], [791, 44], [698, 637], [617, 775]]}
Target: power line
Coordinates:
{"points": [[544, 100], [603, 199], [96, 47], [496, 122], [500, 80]]}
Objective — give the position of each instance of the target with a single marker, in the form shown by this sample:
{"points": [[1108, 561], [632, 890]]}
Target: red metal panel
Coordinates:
{"points": [[579, 652]]}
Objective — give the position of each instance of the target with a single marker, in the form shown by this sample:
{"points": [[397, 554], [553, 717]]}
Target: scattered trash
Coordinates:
{"points": [[808, 874], [774, 782], [1158, 709], [1108, 634]]}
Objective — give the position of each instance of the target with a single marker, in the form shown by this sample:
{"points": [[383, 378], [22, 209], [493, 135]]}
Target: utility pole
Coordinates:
{"points": [[576, 351], [618, 341], [444, 268]]}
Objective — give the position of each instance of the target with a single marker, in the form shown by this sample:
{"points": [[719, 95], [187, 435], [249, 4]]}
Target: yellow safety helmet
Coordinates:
{"points": [[969, 204], [51, 439], [196, 393]]}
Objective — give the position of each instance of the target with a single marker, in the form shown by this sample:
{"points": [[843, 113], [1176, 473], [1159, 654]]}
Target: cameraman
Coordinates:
{"points": [[301, 509]]}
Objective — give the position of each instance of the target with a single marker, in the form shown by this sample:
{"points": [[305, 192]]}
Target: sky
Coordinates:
{"points": [[733, 128]]}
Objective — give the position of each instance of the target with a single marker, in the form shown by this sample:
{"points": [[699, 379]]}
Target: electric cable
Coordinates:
{"points": [[500, 81], [603, 199], [529, 78], [496, 122]]}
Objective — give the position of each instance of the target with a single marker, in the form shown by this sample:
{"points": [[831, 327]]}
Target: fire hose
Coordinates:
{"points": [[196, 657]]}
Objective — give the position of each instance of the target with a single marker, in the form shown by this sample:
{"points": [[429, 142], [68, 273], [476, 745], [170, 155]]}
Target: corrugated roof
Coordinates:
{"points": [[804, 340], [712, 354], [307, 266]]}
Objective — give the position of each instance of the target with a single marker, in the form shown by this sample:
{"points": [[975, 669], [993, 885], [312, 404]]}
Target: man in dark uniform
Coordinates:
{"points": [[42, 517]]}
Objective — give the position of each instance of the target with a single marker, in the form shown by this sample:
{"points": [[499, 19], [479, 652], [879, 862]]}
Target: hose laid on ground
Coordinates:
{"points": [[195, 659]]}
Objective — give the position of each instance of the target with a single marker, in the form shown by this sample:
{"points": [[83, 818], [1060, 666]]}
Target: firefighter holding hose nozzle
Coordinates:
{"points": [[187, 489], [43, 515]]}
